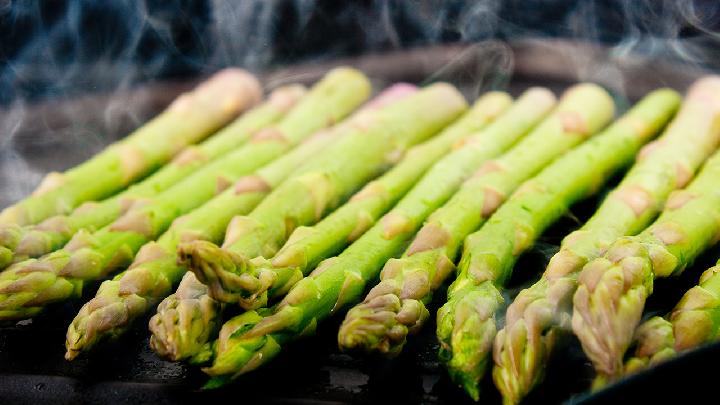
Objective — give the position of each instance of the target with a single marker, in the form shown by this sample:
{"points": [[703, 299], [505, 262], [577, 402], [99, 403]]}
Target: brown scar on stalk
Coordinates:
{"points": [[87, 206], [649, 149], [57, 224], [132, 162], [370, 190], [251, 184], [190, 154], [50, 182], [523, 238], [678, 199], [563, 263], [492, 199], [363, 222], [682, 175], [134, 221], [269, 134], [491, 166], [640, 127], [150, 252], [430, 237], [635, 197], [573, 122], [283, 98], [238, 228], [394, 224], [669, 233], [222, 183], [319, 187]]}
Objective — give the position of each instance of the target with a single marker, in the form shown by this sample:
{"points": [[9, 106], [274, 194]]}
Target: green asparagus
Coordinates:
{"points": [[155, 269], [255, 337], [190, 118], [542, 312], [466, 323], [396, 306], [26, 287], [34, 241], [612, 289], [694, 321], [325, 182], [307, 246], [347, 222]]}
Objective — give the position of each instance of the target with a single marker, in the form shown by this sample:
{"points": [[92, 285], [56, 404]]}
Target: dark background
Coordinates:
{"points": [[51, 48]]}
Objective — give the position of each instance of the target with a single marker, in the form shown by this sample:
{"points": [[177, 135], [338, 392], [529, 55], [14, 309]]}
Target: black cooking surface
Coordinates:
{"points": [[33, 370]]}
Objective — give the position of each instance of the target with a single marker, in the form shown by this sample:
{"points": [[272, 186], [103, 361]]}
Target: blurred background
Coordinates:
{"points": [[52, 48], [77, 74]]}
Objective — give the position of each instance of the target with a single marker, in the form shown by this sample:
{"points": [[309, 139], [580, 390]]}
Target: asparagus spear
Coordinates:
{"points": [[155, 270], [654, 342], [694, 321], [307, 246], [325, 182], [396, 306], [254, 337], [542, 311], [177, 320], [466, 323], [25, 288], [185, 322], [20, 242], [190, 118], [612, 289]]}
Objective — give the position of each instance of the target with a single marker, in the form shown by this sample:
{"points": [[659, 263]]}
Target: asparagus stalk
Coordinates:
{"points": [[325, 182], [466, 323], [694, 321], [397, 305], [155, 269], [319, 242], [190, 118], [542, 312], [307, 246], [22, 242], [612, 289], [253, 338], [25, 288]]}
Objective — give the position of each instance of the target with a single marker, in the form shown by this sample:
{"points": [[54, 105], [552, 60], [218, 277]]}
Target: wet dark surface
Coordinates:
{"points": [[32, 368]]}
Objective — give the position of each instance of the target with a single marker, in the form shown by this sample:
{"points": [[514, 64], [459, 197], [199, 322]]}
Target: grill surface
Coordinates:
{"points": [[55, 136]]}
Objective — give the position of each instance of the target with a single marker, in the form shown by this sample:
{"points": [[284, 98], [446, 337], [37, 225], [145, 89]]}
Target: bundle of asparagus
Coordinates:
{"points": [[155, 270], [297, 250], [396, 306], [541, 312], [466, 323], [191, 306], [612, 289], [693, 322], [307, 246], [17, 243], [253, 338], [190, 118], [26, 287], [303, 199]]}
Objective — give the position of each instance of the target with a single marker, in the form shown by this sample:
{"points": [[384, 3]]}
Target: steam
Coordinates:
{"points": [[81, 46]]}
